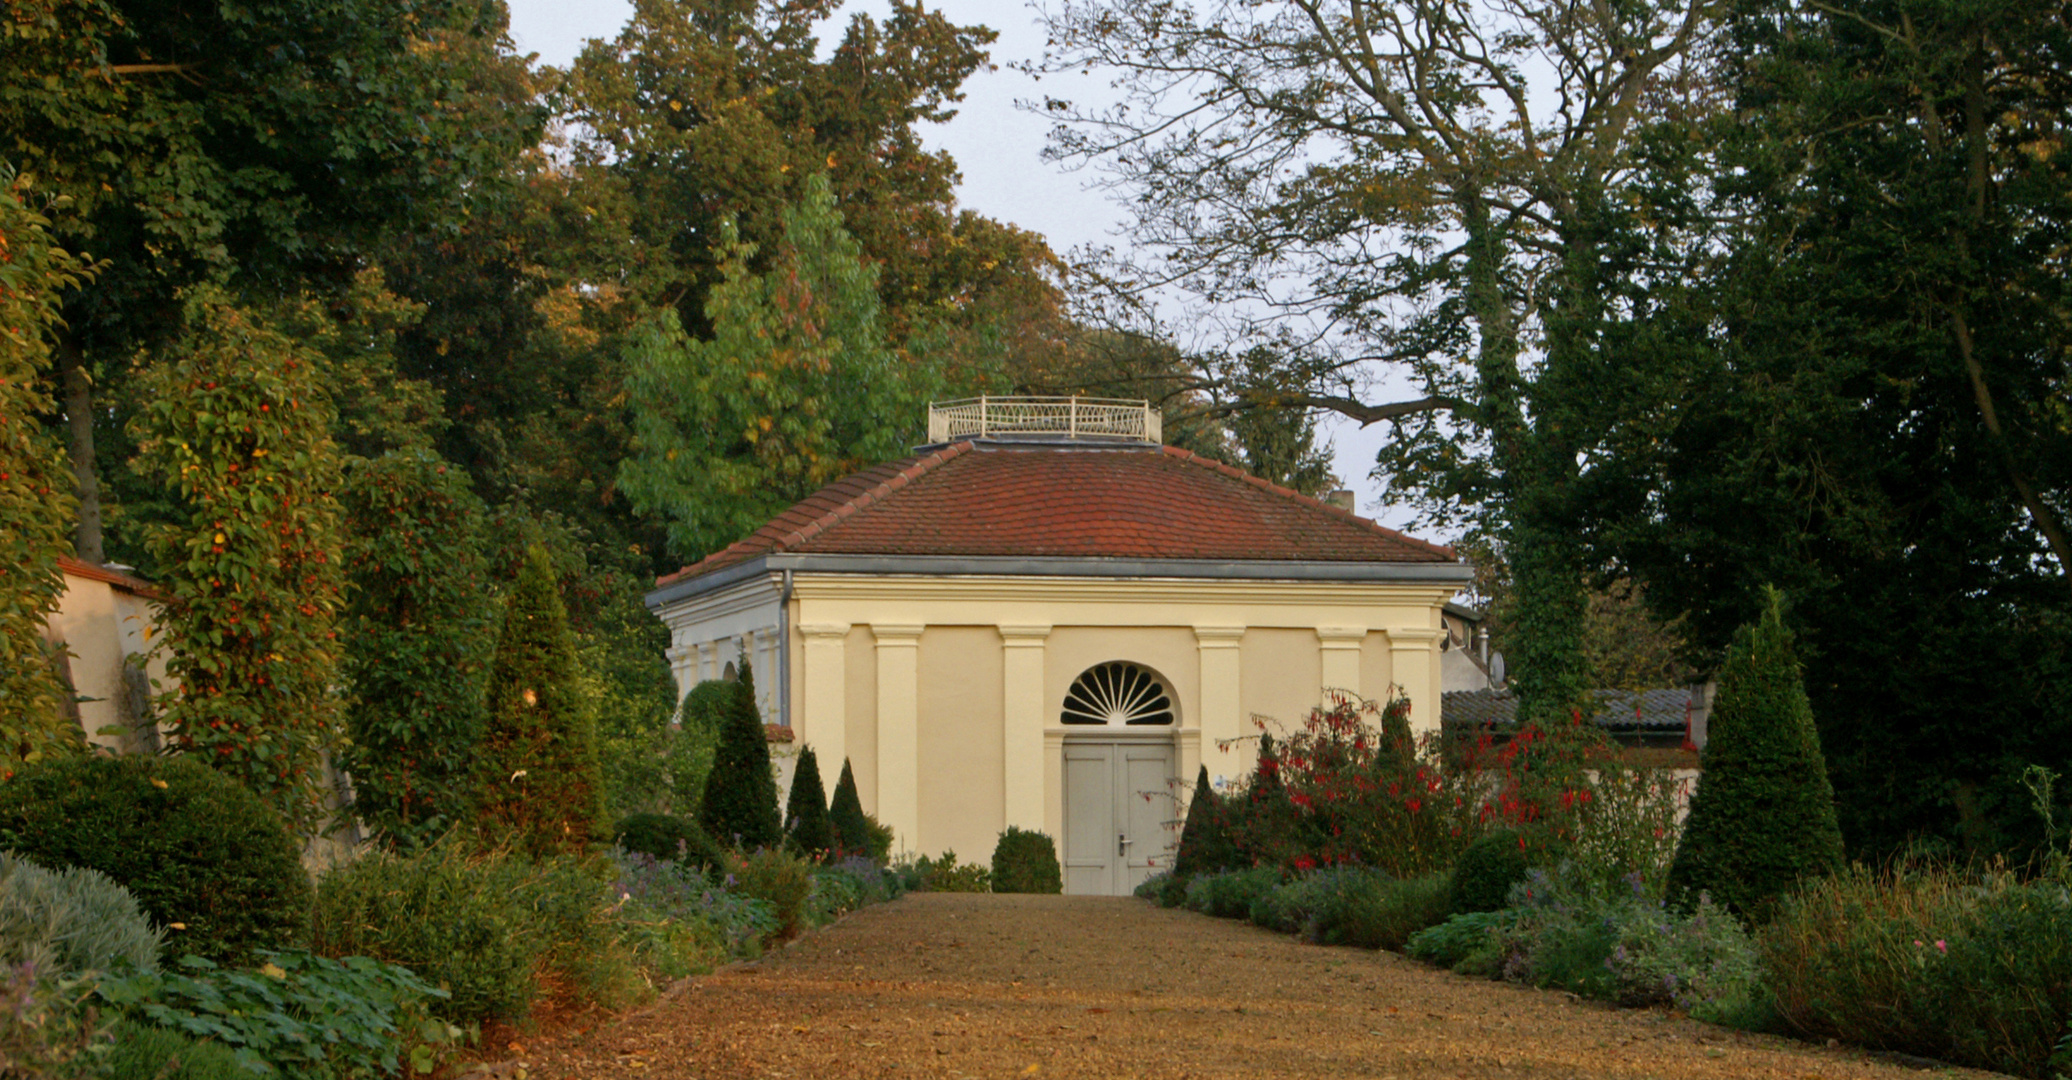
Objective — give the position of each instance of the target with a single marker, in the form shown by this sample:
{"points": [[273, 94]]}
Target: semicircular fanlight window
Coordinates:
{"points": [[1117, 693]]}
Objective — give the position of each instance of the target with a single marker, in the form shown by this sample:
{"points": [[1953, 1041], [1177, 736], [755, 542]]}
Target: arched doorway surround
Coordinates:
{"points": [[1119, 757]]}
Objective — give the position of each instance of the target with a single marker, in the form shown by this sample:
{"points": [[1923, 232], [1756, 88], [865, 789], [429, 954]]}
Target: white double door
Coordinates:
{"points": [[1118, 806]]}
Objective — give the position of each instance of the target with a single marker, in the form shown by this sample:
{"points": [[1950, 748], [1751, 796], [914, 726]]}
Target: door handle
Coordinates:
{"points": [[1122, 844]]}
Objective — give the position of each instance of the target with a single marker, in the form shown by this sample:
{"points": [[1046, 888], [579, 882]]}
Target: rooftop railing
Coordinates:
{"points": [[1104, 419]]}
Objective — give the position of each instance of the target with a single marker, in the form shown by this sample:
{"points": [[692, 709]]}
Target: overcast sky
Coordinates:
{"points": [[998, 149]]}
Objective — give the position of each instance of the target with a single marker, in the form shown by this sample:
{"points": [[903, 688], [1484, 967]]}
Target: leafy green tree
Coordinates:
{"points": [[36, 503], [852, 828], [806, 822], [795, 389], [539, 782], [237, 427], [1382, 176], [740, 804], [708, 111], [1763, 817], [259, 152], [419, 629], [1869, 391]]}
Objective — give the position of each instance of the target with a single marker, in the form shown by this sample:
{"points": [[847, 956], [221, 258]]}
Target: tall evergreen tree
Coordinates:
{"points": [[852, 830], [1205, 841], [806, 821], [740, 807], [420, 627], [1764, 814], [540, 785]]}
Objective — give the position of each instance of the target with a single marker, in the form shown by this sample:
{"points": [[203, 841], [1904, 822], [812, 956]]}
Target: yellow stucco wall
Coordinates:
{"points": [[100, 625], [960, 741]]}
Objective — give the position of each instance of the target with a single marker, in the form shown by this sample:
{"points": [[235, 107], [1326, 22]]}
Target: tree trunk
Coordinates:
{"points": [[79, 417]]}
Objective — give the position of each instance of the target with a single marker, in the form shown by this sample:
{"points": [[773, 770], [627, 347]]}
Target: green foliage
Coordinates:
{"points": [[46, 1030], [236, 425], [1455, 942], [945, 874], [851, 826], [1386, 912], [36, 500], [758, 108], [297, 1015], [795, 389], [1342, 906], [701, 719], [806, 823], [1487, 869], [621, 660], [418, 631], [1230, 895], [495, 929], [1026, 862], [71, 921], [740, 804], [204, 857], [1969, 968], [1624, 945], [1763, 818], [668, 839], [1205, 841], [780, 879], [148, 1052], [539, 784]]}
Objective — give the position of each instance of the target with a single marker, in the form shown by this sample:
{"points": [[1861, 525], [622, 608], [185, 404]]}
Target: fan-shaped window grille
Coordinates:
{"points": [[1118, 693]]}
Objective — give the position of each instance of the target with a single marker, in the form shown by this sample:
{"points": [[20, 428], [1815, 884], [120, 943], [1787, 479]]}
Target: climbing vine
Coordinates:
{"points": [[36, 501], [236, 425]]}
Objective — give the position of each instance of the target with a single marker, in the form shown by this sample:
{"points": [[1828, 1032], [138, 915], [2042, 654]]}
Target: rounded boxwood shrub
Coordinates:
{"points": [[668, 839], [1026, 862], [1483, 877], [70, 920], [205, 858]]}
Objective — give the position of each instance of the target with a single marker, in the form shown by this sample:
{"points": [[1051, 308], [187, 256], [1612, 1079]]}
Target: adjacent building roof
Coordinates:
{"points": [[988, 498], [1647, 710]]}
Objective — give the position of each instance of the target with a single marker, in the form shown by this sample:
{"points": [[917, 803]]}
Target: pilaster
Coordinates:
{"points": [[1413, 665], [1339, 657], [823, 716], [1022, 718], [1221, 722], [899, 726]]}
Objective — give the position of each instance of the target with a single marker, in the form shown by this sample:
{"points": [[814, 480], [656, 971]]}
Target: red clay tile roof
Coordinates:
{"points": [[999, 499]]}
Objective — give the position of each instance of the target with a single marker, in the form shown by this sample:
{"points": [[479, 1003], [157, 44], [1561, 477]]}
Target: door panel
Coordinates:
{"points": [[1118, 802], [1148, 805], [1089, 820]]}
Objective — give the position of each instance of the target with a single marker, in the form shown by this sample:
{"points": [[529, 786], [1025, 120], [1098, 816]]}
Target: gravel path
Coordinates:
{"points": [[945, 985]]}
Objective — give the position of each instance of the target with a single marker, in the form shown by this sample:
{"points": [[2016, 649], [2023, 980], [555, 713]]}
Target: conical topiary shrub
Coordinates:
{"points": [[1764, 814], [852, 831], [541, 788], [1205, 841], [806, 822], [740, 804]]}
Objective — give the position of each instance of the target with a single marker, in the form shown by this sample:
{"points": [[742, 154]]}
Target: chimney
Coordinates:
{"points": [[1344, 500]]}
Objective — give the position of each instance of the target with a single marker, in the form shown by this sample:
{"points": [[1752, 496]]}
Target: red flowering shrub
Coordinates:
{"points": [[1354, 786]]}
